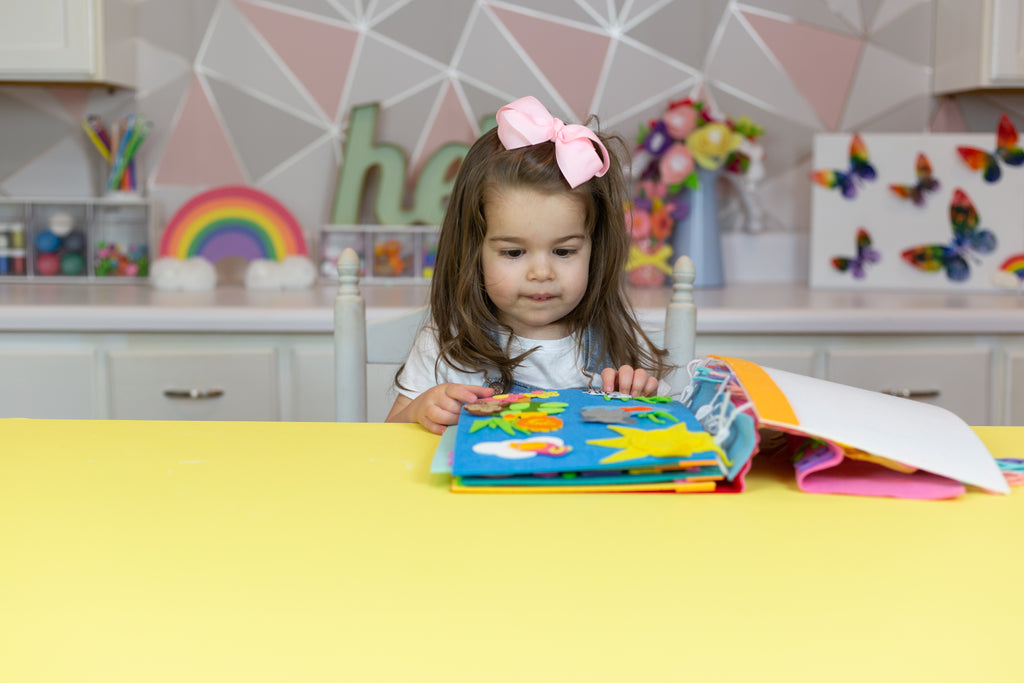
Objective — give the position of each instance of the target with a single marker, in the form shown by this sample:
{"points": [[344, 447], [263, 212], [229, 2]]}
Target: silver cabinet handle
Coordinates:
{"points": [[193, 394], [912, 393]]}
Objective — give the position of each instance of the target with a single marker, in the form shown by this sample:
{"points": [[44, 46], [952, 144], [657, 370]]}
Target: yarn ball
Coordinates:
{"points": [[47, 242], [47, 264], [75, 241], [72, 264]]}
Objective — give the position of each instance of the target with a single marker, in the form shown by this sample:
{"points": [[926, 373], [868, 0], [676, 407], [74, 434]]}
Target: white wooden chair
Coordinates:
{"points": [[367, 355]]}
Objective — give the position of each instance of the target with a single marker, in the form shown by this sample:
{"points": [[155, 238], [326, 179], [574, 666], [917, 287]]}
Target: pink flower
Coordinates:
{"points": [[638, 223], [654, 190], [680, 120], [676, 165]]}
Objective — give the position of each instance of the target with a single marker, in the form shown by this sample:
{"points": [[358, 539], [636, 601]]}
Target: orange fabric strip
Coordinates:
{"points": [[769, 401]]}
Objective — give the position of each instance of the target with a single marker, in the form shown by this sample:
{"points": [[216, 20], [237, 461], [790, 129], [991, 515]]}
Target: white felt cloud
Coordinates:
{"points": [[517, 449], [191, 274], [294, 272], [1006, 280]]}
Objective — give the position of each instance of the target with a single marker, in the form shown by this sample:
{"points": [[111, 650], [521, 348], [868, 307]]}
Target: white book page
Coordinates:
{"points": [[917, 434]]}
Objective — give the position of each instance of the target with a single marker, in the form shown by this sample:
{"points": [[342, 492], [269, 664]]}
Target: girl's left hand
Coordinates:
{"points": [[627, 380]]}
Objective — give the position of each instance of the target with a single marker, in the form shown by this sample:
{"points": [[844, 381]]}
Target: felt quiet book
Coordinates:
{"points": [[840, 439], [573, 440]]}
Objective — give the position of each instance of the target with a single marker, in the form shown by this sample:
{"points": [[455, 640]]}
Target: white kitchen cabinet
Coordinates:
{"points": [[99, 351], [48, 382], [86, 41], [978, 44], [278, 376]]}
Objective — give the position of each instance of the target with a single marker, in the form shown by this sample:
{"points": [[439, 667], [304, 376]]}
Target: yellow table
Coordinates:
{"points": [[171, 551]]}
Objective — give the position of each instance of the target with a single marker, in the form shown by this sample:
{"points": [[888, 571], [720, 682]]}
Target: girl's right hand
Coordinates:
{"points": [[437, 408], [629, 380]]}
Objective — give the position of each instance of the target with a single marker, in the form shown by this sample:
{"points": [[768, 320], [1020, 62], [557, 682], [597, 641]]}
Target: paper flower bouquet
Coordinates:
{"points": [[671, 152]]}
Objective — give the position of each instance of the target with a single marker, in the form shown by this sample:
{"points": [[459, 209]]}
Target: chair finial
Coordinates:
{"points": [[683, 275], [348, 273]]}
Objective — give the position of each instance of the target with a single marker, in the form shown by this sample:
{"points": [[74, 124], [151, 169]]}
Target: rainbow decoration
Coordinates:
{"points": [[233, 220], [1014, 265]]}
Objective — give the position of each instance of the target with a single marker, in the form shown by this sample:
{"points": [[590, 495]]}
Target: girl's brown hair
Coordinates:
{"points": [[463, 316]]}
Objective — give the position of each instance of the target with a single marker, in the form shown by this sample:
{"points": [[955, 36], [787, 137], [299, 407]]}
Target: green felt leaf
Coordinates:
{"points": [[495, 422], [657, 416]]}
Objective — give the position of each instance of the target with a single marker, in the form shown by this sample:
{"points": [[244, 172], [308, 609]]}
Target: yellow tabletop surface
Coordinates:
{"points": [[299, 552]]}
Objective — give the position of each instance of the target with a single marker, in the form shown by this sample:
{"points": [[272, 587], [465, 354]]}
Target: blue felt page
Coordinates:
{"points": [[552, 436]]}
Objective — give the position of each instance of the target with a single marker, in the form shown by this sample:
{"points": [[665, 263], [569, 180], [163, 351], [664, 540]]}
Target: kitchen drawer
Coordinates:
{"points": [[956, 379], [193, 385], [55, 384]]}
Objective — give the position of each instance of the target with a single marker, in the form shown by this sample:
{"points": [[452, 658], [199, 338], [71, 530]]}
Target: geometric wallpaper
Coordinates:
{"points": [[259, 91]]}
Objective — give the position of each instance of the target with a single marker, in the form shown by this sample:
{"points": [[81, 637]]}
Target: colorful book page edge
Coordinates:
{"points": [[708, 473], [654, 487]]}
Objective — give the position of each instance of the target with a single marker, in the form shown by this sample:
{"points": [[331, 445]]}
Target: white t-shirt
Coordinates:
{"points": [[554, 365]]}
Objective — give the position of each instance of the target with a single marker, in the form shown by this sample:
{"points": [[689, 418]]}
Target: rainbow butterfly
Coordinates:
{"points": [[865, 254], [847, 181], [1006, 149], [966, 238], [926, 182]]}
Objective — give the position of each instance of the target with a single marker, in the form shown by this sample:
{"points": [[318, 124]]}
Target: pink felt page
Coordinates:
{"points": [[859, 478]]}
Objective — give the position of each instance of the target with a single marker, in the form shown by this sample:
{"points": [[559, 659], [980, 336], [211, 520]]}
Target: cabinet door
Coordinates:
{"points": [[40, 37], [52, 384], [978, 44], [193, 385], [313, 387], [1006, 63], [1014, 389], [956, 379]]}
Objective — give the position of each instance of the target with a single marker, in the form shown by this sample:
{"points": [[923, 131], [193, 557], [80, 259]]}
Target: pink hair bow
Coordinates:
{"points": [[526, 122]]}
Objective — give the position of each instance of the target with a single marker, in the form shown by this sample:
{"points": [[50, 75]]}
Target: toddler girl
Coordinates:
{"points": [[528, 289]]}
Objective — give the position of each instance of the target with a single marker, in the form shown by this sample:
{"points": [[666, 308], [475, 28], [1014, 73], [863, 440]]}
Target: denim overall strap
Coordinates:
{"points": [[595, 359]]}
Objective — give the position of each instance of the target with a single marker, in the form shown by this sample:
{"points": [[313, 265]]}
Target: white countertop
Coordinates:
{"points": [[739, 309]]}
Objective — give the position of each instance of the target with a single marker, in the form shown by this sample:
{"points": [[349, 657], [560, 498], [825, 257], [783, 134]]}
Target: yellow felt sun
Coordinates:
{"points": [[672, 442]]}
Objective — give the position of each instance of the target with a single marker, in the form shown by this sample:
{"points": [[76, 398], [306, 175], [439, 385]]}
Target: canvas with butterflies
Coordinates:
{"points": [[930, 212]]}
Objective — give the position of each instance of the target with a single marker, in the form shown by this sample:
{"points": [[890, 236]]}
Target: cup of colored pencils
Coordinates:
{"points": [[118, 144]]}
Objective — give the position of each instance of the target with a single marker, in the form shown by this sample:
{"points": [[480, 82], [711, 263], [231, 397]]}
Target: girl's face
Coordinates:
{"points": [[536, 259]]}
